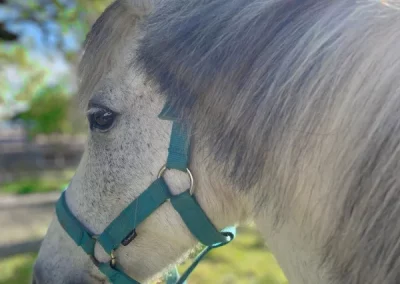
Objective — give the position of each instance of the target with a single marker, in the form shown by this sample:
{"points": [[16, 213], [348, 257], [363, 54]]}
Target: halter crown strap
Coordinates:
{"points": [[124, 226]]}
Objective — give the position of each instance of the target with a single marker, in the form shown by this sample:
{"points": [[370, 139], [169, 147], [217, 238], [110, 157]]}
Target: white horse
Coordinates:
{"points": [[294, 111]]}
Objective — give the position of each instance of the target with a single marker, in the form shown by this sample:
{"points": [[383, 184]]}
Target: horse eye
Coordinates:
{"points": [[101, 119]]}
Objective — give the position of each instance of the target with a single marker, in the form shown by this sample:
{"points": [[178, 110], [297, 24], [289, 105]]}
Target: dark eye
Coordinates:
{"points": [[101, 119]]}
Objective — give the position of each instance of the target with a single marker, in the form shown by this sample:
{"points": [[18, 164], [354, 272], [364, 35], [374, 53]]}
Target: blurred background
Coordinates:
{"points": [[42, 134]]}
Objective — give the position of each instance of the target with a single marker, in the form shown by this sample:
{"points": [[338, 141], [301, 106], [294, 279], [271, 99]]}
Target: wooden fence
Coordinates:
{"points": [[20, 248], [23, 219], [20, 157]]}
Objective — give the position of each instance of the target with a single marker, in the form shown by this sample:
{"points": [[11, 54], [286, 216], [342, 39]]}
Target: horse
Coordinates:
{"points": [[292, 109]]}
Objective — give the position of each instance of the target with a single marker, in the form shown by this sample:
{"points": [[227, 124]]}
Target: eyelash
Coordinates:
{"points": [[101, 119]]}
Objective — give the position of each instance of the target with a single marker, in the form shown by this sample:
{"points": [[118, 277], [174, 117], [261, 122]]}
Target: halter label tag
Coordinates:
{"points": [[130, 237]]}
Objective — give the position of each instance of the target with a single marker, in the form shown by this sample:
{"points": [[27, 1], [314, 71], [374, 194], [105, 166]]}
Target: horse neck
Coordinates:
{"points": [[295, 250]]}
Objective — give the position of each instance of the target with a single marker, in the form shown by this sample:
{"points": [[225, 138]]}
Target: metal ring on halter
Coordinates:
{"points": [[189, 173], [113, 258]]}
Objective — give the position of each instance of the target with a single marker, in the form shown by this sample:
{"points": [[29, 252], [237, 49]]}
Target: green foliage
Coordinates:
{"points": [[60, 22], [17, 269], [72, 18], [32, 186], [31, 86], [14, 55], [48, 112], [48, 181], [244, 260], [17, 56]]}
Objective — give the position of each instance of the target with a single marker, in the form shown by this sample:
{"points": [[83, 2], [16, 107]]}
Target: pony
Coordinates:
{"points": [[294, 108]]}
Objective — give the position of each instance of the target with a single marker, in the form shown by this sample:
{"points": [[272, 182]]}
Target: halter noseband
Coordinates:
{"points": [[122, 230]]}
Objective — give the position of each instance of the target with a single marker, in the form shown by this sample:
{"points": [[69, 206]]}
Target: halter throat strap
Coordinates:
{"points": [[122, 230]]}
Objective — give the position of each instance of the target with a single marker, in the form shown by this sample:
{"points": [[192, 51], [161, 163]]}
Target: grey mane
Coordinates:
{"points": [[258, 63], [273, 87]]}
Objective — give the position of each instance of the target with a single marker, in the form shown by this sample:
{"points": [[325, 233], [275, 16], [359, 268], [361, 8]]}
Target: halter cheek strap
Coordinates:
{"points": [[122, 230]]}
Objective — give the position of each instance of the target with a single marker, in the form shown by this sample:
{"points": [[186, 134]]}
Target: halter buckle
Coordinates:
{"points": [[189, 173], [113, 258]]}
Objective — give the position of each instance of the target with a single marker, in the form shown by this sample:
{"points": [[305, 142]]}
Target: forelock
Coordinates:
{"points": [[106, 41]]}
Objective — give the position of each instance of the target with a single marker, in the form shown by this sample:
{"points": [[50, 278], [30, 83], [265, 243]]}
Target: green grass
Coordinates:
{"points": [[245, 260], [46, 183], [17, 269]]}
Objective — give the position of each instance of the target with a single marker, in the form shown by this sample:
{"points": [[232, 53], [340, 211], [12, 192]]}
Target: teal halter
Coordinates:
{"points": [[122, 229]]}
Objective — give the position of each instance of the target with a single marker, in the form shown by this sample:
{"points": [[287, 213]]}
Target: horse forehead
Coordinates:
{"points": [[124, 89], [114, 81]]}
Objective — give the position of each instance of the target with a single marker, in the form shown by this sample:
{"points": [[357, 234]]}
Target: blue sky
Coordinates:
{"points": [[32, 35], [42, 49]]}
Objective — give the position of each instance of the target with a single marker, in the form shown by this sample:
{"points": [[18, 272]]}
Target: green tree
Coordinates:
{"points": [[72, 17], [63, 25], [60, 23], [48, 112]]}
